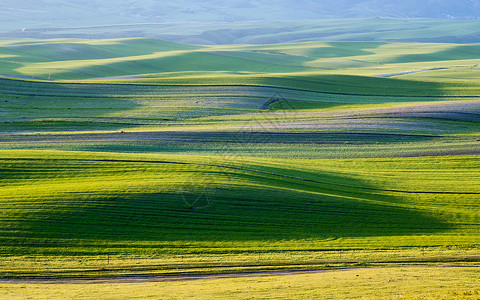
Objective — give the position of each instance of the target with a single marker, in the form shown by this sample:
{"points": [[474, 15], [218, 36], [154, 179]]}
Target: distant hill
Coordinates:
{"points": [[48, 13], [239, 21], [273, 32]]}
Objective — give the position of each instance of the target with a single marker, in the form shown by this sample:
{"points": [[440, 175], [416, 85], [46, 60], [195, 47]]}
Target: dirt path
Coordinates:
{"points": [[139, 279], [119, 78], [407, 72], [167, 278]]}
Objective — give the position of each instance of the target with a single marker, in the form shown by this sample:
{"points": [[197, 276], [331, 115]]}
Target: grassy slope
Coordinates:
{"points": [[82, 59], [267, 133], [338, 187], [238, 203]]}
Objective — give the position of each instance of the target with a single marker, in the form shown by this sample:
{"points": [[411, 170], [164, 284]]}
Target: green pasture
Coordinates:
{"points": [[74, 203], [142, 157], [277, 64], [238, 120]]}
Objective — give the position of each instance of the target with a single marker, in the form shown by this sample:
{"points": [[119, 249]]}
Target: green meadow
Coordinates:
{"points": [[157, 203], [138, 157], [63, 59]]}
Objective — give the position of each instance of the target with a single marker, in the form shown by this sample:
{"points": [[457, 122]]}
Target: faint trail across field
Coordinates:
{"points": [[139, 279], [120, 77], [407, 72], [144, 279], [167, 278]]}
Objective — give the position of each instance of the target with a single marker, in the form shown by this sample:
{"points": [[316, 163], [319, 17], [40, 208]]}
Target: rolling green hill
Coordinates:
{"points": [[249, 64], [257, 157], [170, 203]]}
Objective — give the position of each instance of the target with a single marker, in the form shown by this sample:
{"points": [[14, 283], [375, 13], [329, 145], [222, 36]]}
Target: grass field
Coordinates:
{"points": [[140, 157], [154, 204], [85, 59]]}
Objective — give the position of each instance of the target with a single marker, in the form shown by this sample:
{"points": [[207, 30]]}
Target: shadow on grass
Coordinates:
{"points": [[236, 205], [460, 52]]}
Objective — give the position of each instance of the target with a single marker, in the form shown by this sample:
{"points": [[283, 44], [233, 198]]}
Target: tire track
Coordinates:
{"points": [[246, 274]]}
